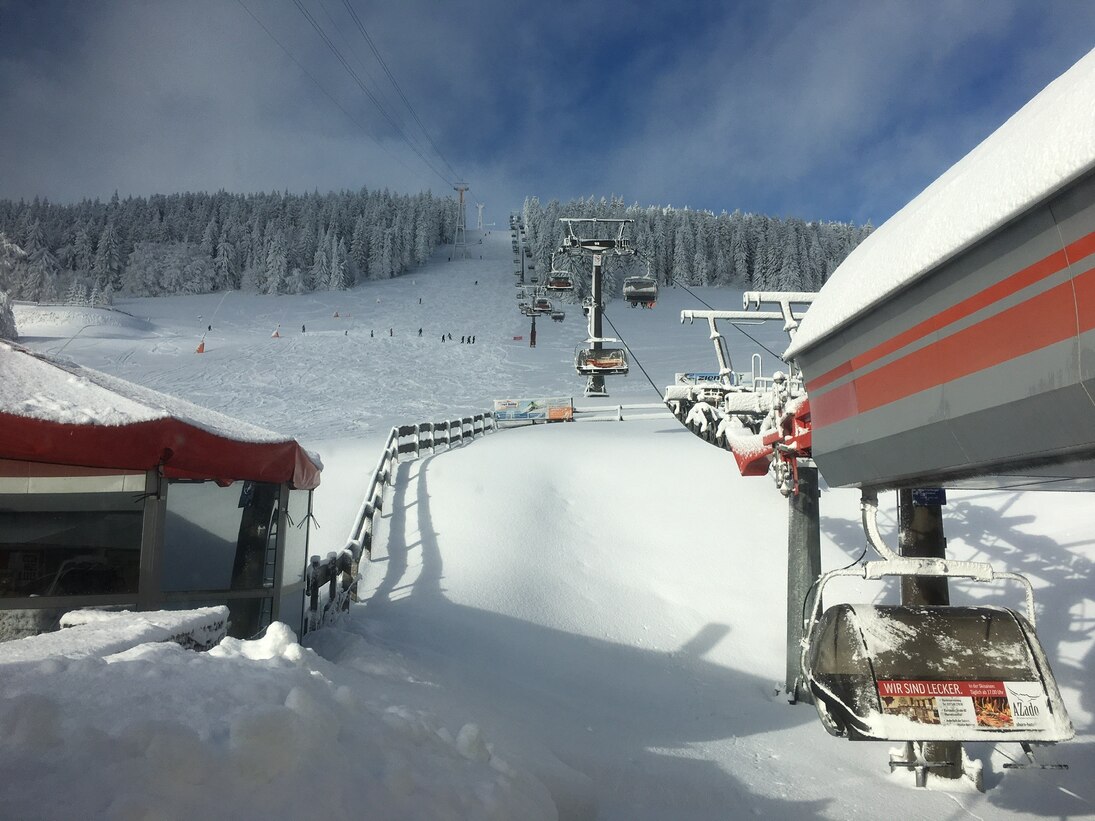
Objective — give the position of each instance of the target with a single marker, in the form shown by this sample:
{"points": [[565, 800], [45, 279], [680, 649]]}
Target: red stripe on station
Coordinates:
{"points": [[1036, 323], [1024, 278]]}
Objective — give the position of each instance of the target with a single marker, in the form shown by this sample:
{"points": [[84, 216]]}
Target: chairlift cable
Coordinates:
{"points": [[364, 88], [320, 86], [738, 327], [631, 354], [402, 96], [360, 63]]}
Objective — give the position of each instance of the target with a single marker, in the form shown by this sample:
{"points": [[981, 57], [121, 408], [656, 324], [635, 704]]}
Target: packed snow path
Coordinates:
{"points": [[608, 599]]}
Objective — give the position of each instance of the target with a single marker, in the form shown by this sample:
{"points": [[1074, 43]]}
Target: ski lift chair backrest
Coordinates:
{"points": [[919, 673]]}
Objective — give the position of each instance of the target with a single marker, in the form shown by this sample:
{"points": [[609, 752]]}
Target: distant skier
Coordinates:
{"points": [[420, 300], [442, 337], [370, 334], [473, 340], [210, 327], [461, 340], [390, 332], [302, 329], [420, 332], [450, 337]]}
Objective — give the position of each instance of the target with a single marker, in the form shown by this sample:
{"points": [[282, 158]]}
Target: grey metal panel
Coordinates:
{"points": [[1074, 211], [1027, 422], [1029, 239], [1002, 436]]}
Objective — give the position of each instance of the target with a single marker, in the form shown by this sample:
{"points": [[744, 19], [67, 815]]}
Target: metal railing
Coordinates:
{"points": [[339, 573], [615, 413]]}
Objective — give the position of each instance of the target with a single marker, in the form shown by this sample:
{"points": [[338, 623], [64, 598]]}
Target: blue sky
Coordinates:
{"points": [[822, 110]]}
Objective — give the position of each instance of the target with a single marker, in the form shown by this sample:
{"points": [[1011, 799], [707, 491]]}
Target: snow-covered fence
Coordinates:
{"points": [[615, 413], [339, 573]]}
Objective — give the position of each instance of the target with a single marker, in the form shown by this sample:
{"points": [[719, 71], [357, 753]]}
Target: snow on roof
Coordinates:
{"points": [[98, 420], [1045, 145]]}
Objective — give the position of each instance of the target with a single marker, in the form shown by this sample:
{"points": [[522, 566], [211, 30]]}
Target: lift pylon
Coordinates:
{"points": [[460, 238], [597, 237]]}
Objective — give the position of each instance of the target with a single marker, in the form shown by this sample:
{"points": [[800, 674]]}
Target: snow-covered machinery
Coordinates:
{"points": [[756, 417]]}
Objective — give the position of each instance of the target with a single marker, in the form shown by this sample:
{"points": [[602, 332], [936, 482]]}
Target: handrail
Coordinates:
{"points": [[615, 413], [340, 571]]}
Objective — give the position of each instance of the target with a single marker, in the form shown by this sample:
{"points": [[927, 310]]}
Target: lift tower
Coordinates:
{"points": [[479, 225], [598, 237], [460, 239]]}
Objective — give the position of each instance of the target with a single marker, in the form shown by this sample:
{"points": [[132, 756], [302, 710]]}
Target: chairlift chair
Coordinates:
{"points": [[641, 291], [560, 281], [589, 361], [542, 305], [558, 316], [930, 673]]}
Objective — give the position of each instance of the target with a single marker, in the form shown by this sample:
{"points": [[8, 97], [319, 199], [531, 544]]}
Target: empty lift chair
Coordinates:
{"points": [[919, 673]]}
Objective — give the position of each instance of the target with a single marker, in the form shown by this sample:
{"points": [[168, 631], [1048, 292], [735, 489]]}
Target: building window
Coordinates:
{"points": [[84, 541]]}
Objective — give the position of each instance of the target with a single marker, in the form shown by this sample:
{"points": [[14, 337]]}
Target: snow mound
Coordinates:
{"points": [[260, 728], [95, 321]]}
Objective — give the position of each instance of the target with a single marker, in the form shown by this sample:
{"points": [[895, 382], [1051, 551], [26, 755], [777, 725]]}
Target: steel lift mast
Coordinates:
{"points": [[460, 239], [597, 237]]}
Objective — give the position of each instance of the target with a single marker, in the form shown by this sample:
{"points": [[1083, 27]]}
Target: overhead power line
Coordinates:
{"points": [[320, 86], [364, 88], [391, 77]]}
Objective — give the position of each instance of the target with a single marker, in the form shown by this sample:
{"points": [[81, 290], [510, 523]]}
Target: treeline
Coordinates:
{"points": [[700, 248], [196, 243]]}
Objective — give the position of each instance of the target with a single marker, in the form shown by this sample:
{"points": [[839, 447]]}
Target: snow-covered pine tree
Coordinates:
{"points": [[359, 249], [208, 245], [224, 274], [83, 250], [7, 317], [106, 267], [276, 270], [319, 275], [336, 279]]}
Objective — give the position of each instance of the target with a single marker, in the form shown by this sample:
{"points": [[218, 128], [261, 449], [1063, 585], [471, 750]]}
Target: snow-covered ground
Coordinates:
{"points": [[578, 620]]}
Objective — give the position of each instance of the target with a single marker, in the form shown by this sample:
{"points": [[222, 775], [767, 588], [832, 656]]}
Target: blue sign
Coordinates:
{"points": [[929, 496]]}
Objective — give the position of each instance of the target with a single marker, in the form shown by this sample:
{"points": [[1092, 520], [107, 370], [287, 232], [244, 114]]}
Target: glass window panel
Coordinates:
{"points": [[296, 536], [218, 538], [70, 544]]}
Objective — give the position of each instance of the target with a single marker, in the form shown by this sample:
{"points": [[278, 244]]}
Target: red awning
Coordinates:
{"points": [[59, 413]]}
